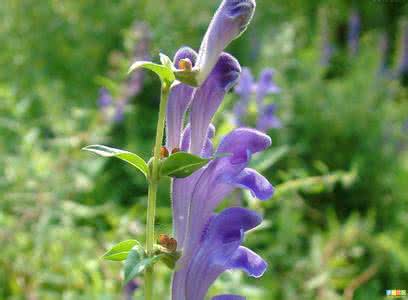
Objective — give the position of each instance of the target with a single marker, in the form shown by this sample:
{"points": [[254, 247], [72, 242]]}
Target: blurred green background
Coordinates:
{"points": [[337, 227]]}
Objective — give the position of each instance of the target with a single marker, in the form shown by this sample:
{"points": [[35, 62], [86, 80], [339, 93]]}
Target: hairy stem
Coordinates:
{"points": [[152, 191]]}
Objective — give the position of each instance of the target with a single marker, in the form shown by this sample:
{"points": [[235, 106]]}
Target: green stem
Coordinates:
{"points": [[152, 191]]}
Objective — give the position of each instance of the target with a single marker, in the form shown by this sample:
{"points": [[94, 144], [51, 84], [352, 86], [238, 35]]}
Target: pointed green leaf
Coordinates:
{"points": [[166, 61], [164, 72], [182, 164], [126, 156], [120, 251], [137, 262]]}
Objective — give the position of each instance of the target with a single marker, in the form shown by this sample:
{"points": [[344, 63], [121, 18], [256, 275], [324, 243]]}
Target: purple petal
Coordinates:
{"points": [[223, 175], [178, 102], [248, 261], [207, 150], [230, 20], [243, 142], [228, 297], [208, 97], [255, 182], [217, 251], [183, 53], [182, 189]]}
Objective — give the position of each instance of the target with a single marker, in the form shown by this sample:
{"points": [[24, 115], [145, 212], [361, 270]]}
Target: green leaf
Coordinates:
{"points": [[137, 262], [165, 72], [121, 250], [182, 164], [166, 61], [126, 156]]}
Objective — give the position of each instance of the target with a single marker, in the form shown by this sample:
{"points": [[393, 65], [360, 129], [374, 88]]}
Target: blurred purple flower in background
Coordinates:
{"points": [[114, 110], [384, 47], [130, 289], [403, 60], [268, 119], [327, 48], [265, 86], [142, 36], [246, 88], [354, 29]]}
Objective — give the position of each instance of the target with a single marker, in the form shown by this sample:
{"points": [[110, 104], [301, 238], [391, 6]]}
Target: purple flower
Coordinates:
{"points": [[384, 52], [268, 119], [403, 61], [354, 32], [141, 37], [130, 289], [207, 98], [327, 48], [230, 20], [220, 250], [195, 199], [265, 86], [179, 99], [211, 244], [119, 112], [244, 89], [105, 98]]}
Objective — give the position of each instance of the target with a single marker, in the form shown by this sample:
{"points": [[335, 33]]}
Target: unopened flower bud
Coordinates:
{"points": [[164, 152]]}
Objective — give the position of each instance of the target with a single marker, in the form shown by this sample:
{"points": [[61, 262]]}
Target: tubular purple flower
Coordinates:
{"points": [[182, 189], [223, 175], [354, 32], [220, 250], [179, 99], [207, 98], [229, 22]]}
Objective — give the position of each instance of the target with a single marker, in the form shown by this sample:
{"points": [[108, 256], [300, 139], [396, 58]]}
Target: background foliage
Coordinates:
{"points": [[337, 227]]}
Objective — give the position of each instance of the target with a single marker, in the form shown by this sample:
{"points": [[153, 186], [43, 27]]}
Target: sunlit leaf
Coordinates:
{"points": [[126, 156], [182, 164], [166, 61], [120, 251], [164, 72]]}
